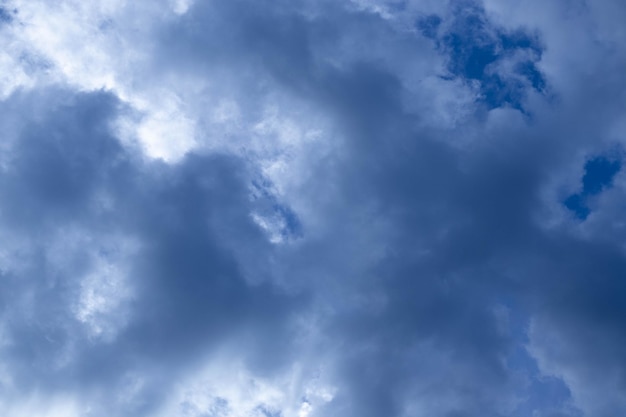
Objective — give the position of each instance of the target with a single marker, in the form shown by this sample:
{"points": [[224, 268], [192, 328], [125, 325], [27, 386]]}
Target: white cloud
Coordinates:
{"points": [[224, 387], [38, 405]]}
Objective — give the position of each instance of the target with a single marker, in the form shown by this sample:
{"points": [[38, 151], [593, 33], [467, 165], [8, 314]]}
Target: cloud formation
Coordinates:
{"points": [[312, 208]]}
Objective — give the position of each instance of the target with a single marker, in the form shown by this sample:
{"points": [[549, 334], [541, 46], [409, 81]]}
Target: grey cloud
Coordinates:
{"points": [[471, 212], [433, 285], [188, 290]]}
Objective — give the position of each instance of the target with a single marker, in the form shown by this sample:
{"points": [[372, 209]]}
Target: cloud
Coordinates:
{"points": [[119, 262], [311, 208]]}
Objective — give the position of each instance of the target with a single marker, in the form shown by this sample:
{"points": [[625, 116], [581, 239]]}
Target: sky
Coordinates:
{"points": [[312, 208]]}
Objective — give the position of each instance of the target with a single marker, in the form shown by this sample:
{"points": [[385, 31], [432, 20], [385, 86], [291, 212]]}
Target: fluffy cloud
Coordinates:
{"points": [[312, 208]]}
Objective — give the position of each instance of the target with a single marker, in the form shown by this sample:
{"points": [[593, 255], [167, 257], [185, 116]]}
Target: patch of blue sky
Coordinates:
{"points": [[599, 174], [285, 223], [475, 47]]}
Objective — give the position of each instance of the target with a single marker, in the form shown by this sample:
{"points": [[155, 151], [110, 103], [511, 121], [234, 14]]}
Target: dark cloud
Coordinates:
{"points": [[188, 291], [417, 267]]}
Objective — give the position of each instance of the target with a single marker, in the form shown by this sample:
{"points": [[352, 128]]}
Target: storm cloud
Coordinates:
{"points": [[312, 208]]}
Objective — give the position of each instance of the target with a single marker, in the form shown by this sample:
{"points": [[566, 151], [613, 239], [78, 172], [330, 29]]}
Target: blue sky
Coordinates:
{"points": [[312, 208]]}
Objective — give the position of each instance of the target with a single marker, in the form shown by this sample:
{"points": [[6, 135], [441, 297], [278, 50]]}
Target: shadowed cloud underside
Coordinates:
{"points": [[312, 208]]}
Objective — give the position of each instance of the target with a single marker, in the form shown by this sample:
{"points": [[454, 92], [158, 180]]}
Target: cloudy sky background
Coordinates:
{"points": [[312, 208]]}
